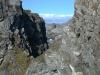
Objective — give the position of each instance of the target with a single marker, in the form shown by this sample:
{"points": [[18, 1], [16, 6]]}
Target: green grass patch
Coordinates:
{"points": [[40, 58], [22, 59]]}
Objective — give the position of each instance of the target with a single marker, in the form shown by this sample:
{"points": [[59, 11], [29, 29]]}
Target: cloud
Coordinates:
{"points": [[56, 18], [55, 15]]}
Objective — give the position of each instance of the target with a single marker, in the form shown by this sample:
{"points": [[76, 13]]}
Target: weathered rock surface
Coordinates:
{"points": [[22, 34], [54, 32], [76, 52], [84, 37]]}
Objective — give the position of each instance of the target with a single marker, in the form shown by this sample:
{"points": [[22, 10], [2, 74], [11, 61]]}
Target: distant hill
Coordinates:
{"points": [[58, 19]]}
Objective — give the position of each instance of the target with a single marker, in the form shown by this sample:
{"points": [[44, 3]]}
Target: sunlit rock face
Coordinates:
{"points": [[83, 37], [14, 2]]}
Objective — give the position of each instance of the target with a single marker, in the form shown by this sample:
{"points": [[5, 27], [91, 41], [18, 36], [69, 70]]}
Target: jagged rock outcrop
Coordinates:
{"points": [[22, 34], [84, 37], [31, 30], [24, 24], [81, 40]]}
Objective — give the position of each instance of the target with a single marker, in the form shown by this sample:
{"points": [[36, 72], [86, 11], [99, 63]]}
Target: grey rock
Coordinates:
{"points": [[79, 50], [75, 49], [19, 30]]}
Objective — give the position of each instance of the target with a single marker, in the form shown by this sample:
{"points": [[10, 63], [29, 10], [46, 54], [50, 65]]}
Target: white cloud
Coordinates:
{"points": [[47, 15]]}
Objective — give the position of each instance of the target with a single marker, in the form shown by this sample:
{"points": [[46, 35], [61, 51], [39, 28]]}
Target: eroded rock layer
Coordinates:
{"points": [[22, 34]]}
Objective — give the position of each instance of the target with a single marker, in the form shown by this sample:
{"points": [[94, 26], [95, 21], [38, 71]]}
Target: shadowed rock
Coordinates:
{"points": [[17, 22], [32, 32]]}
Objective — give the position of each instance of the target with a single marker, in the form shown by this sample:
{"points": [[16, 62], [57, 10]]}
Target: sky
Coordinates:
{"points": [[50, 8]]}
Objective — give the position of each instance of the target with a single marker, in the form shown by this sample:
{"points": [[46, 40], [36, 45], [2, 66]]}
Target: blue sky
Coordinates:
{"points": [[56, 10], [50, 6]]}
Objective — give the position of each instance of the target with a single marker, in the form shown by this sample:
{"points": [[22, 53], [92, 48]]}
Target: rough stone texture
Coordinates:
{"points": [[81, 39], [22, 34], [76, 52], [86, 29]]}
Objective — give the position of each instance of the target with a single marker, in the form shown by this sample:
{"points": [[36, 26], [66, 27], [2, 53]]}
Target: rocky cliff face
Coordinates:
{"points": [[74, 51], [22, 34], [85, 39], [82, 38]]}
